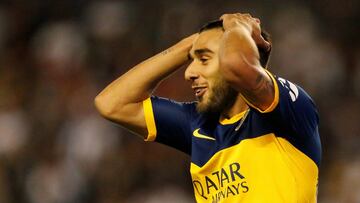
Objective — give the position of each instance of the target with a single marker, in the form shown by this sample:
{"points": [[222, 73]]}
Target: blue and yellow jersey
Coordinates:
{"points": [[273, 157]]}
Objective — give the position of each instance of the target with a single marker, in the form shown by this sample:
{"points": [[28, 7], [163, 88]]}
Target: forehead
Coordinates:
{"points": [[208, 39]]}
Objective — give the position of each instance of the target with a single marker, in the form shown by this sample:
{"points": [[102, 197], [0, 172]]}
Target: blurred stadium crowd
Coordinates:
{"points": [[55, 56]]}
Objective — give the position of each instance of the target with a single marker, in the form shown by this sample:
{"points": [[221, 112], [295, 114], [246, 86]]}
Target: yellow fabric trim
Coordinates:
{"points": [[149, 119], [275, 101], [234, 119]]}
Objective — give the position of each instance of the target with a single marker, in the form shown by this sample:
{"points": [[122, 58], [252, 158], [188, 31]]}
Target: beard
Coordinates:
{"points": [[220, 97]]}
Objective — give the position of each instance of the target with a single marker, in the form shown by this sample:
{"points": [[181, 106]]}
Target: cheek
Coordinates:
{"points": [[212, 70], [213, 84], [215, 78], [217, 82]]}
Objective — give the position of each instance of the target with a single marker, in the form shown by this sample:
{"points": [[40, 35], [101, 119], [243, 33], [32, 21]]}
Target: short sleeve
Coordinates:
{"points": [[275, 101], [168, 122], [292, 105], [295, 117], [296, 108]]}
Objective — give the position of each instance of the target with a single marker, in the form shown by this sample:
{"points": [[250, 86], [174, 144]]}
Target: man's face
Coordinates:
{"points": [[212, 91]]}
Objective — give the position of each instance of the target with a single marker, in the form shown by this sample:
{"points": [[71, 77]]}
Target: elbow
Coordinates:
{"points": [[110, 109], [103, 107]]}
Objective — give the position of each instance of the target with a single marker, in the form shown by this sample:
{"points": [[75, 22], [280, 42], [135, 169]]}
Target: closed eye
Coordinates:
{"points": [[204, 60], [203, 55]]}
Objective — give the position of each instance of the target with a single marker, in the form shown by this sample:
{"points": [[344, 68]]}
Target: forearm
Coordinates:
{"points": [[241, 68], [138, 83], [239, 57]]}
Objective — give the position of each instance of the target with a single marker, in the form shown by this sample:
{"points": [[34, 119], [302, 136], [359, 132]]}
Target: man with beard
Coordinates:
{"points": [[252, 137]]}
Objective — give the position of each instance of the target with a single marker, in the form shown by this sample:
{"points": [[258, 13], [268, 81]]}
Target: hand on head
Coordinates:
{"points": [[252, 24]]}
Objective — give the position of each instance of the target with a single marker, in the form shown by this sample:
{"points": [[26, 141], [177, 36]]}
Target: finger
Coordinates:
{"points": [[224, 16], [247, 15], [264, 44]]}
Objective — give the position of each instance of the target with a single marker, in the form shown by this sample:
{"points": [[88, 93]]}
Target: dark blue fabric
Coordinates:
{"points": [[172, 120], [294, 118]]}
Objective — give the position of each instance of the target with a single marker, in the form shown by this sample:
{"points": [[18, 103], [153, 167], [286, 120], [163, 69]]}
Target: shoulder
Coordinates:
{"points": [[292, 93]]}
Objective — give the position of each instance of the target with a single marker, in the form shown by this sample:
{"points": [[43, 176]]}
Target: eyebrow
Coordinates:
{"points": [[199, 52]]}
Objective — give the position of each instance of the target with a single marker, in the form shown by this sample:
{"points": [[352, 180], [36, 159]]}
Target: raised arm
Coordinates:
{"points": [[240, 59], [121, 101]]}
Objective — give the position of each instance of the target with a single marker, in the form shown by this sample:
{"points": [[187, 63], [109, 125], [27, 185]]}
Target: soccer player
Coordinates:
{"points": [[252, 136]]}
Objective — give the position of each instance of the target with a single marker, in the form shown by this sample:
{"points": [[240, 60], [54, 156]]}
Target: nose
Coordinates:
{"points": [[190, 73]]}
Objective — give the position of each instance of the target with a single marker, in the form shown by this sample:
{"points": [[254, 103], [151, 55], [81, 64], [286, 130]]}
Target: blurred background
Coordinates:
{"points": [[55, 56]]}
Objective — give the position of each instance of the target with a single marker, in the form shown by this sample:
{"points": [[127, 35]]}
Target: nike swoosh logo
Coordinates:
{"points": [[198, 135]]}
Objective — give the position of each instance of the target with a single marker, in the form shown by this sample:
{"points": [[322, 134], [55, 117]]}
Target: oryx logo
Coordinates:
{"points": [[293, 90]]}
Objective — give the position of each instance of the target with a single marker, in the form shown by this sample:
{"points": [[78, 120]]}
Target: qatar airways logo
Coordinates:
{"points": [[221, 184]]}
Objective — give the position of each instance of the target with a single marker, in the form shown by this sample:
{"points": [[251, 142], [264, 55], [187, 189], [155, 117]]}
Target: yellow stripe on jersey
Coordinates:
{"points": [[276, 97], [233, 119], [262, 169], [149, 119]]}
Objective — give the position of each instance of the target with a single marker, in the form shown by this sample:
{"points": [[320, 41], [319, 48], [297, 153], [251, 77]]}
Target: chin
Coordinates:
{"points": [[207, 105], [201, 105], [220, 99]]}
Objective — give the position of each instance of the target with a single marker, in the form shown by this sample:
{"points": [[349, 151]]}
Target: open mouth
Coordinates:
{"points": [[199, 91]]}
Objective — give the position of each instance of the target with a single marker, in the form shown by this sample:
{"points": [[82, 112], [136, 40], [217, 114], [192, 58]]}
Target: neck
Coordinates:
{"points": [[238, 106]]}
